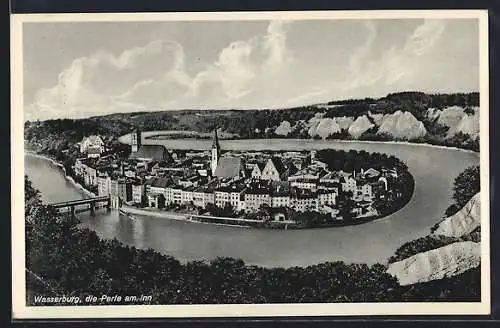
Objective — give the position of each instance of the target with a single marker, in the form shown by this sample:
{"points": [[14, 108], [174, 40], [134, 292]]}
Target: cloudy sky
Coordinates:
{"points": [[84, 69]]}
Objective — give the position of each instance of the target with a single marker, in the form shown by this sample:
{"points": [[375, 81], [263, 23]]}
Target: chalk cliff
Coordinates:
{"points": [[402, 125], [360, 125], [324, 128], [283, 129], [443, 262], [463, 222]]}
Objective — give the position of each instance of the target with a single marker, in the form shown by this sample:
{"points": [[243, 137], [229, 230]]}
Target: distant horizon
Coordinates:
{"points": [[83, 69], [249, 109]]}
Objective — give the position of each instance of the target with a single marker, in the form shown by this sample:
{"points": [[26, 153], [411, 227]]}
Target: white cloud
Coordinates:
{"points": [[103, 83], [261, 71], [233, 71], [369, 73], [245, 68], [381, 73], [275, 45], [363, 51], [154, 77], [424, 37]]}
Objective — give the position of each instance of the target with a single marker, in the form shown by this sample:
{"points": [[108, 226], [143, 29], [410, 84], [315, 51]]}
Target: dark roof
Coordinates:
{"points": [[278, 164], [232, 188], [161, 182], [257, 191], [248, 172], [205, 189], [154, 152], [304, 195], [229, 167]]}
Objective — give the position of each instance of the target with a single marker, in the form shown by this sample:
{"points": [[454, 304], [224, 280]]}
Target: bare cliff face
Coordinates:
{"points": [[469, 124], [344, 122], [451, 116], [443, 262], [360, 125], [449, 260], [457, 120], [325, 128], [463, 222], [402, 125], [312, 124], [377, 118], [283, 129]]}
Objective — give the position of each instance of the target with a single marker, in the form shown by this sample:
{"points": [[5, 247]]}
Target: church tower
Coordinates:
{"points": [[136, 140], [215, 153]]}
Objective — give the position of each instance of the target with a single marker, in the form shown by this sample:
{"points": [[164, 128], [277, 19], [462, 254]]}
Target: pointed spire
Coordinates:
{"points": [[216, 140]]}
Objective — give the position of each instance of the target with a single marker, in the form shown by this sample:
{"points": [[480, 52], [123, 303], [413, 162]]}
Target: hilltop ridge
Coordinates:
{"points": [[445, 119]]}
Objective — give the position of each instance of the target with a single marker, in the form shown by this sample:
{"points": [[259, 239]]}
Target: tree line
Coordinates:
{"points": [[74, 261], [353, 160], [262, 123], [465, 186], [414, 102]]}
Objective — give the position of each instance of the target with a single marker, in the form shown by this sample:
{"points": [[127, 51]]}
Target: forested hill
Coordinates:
{"points": [[444, 119]]}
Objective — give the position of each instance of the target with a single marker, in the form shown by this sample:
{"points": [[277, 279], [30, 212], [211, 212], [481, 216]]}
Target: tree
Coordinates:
{"points": [[144, 200], [466, 185], [228, 210], [31, 197], [161, 201], [345, 205]]}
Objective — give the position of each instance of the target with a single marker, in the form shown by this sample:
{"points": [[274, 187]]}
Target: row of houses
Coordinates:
{"points": [[308, 189], [246, 197]]}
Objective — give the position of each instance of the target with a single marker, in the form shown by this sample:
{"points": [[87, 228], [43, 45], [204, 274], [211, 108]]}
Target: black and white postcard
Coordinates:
{"points": [[250, 164]]}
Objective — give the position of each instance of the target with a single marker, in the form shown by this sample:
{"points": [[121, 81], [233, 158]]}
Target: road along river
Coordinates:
{"points": [[433, 168]]}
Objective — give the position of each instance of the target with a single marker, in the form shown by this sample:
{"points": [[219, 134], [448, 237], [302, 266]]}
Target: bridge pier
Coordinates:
{"points": [[93, 204]]}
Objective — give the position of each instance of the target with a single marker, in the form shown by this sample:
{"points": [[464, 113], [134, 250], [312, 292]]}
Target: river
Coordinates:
{"points": [[433, 168]]}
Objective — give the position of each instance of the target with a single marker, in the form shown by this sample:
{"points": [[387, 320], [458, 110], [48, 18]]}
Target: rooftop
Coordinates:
{"points": [[278, 164], [229, 167], [154, 152]]}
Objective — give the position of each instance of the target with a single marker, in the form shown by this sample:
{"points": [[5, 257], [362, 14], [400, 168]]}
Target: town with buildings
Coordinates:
{"points": [[240, 183]]}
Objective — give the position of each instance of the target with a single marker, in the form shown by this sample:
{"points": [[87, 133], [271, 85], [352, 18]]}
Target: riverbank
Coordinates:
{"points": [[311, 220], [371, 242], [63, 169], [152, 137], [407, 143], [364, 283], [150, 212], [128, 210]]}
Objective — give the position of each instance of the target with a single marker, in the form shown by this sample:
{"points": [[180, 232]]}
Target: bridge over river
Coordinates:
{"points": [[83, 205], [433, 168]]}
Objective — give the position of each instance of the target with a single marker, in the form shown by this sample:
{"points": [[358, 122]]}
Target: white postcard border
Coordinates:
{"points": [[21, 311]]}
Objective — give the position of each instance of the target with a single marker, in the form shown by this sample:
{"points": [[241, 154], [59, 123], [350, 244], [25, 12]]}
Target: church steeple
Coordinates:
{"points": [[216, 140], [215, 153]]}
